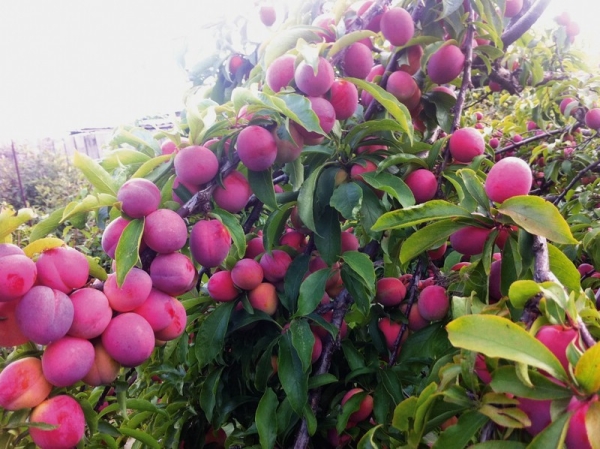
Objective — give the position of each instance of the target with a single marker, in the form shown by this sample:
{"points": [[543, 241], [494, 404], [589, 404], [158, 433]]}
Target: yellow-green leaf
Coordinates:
{"points": [[9, 222], [410, 216], [95, 173], [538, 217], [41, 245], [495, 336], [587, 370]]}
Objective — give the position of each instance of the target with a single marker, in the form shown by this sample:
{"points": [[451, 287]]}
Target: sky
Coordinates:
{"points": [[70, 64]]}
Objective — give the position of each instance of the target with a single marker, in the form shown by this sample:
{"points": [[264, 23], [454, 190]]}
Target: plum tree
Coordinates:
{"points": [[364, 215]]}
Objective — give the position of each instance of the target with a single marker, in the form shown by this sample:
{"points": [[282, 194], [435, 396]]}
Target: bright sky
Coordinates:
{"points": [[71, 64]]}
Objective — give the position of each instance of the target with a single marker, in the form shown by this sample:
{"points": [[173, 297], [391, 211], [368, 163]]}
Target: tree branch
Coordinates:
{"points": [[535, 138], [524, 23], [574, 181]]}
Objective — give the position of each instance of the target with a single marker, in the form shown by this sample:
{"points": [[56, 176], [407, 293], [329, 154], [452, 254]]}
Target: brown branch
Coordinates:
{"points": [[412, 295], [574, 181], [524, 23], [253, 217], [462, 93], [341, 304], [531, 139]]}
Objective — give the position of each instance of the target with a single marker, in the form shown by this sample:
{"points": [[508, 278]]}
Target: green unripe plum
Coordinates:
{"points": [[139, 197], [234, 194], [366, 406], [433, 303], [397, 26], [264, 298], [508, 177], [165, 231], [445, 64], [221, 288], [62, 268], [311, 83], [247, 274], [469, 240], [390, 292], [358, 60], [44, 314], [423, 184], [65, 413], [177, 326], [281, 72], [92, 313], [66, 361], [129, 339], [196, 165], [104, 370], [23, 385], [173, 273], [17, 273], [343, 96], [256, 148], [465, 144], [131, 294], [210, 242]]}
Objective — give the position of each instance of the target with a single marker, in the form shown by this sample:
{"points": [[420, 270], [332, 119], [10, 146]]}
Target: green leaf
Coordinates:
{"points": [[430, 236], [348, 39], [294, 277], [47, 225], [299, 109], [450, 6], [328, 238], [312, 290], [506, 380], [208, 393], [142, 436], [370, 210], [9, 222], [474, 186], [362, 265], [347, 199], [285, 40], [88, 204], [459, 435], [498, 444], [587, 370], [350, 406], [495, 336], [95, 174], [293, 379], [553, 436], [521, 291], [392, 185], [127, 252], [210, 337], [411, 216], [538, 217], [303, 340], [404, 413], [123, 157], [96, 270], [306, 199], [262, 186], [389, 102], [564, 270], [139, 138], [368, 440], [266, 419], [149, 166], [275, 225], [232, 223]]}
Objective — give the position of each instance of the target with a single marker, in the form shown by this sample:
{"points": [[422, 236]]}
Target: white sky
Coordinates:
{"points": [[68, 64]]}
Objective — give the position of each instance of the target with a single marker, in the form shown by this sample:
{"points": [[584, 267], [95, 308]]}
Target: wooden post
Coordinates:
{"points": [[14, 153]]}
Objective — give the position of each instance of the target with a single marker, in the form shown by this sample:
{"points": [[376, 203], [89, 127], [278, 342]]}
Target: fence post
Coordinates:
{"points": [[14, 153]]}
